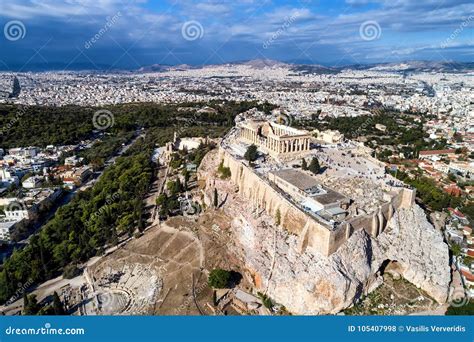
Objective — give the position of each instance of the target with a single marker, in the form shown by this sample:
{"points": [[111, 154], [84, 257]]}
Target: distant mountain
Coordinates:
{"points": [[314, 69], [424, 66], [162, 68], [264, 63], [401, 67], [301, 67]]}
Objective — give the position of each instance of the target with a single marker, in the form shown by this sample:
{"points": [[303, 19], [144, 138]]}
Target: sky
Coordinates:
{"points": [[130, 34]]}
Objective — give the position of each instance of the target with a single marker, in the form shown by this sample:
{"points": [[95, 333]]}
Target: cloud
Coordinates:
{"points": [[148, 30]]}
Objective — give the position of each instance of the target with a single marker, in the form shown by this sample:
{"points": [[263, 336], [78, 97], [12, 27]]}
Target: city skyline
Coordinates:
{"points": [[112, 34]]}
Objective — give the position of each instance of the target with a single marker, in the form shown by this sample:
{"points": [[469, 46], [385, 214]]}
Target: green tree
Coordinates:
{"points": [[219, 278], [162, 199], [175, 187], [456, 249], [267, 301], [71, 271], [251, 154], [186, 176], [216, 198], [223, 171], [452, 177], [31, 306], [278, 217], [58, 306], [214, 298], [314, 166], [304, 164]]}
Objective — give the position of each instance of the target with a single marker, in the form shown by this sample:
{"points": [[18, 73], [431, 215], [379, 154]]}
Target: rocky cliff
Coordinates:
{"points": [[311, 283]]}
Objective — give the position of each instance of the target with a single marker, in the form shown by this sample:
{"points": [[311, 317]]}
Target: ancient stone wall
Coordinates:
{"points": [[311, 233]]}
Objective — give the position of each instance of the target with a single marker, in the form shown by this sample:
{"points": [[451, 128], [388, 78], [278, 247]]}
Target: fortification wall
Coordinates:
{"points": [[264, 197], [373, 223], [311, 233]]}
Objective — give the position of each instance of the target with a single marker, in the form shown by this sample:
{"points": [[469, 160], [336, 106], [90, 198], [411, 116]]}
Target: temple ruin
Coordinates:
{"points": [[311, 206], [275, 139]]}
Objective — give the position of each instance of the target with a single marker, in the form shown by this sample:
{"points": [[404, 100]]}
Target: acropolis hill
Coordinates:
{"points": [[318, 242], [312, 207]]}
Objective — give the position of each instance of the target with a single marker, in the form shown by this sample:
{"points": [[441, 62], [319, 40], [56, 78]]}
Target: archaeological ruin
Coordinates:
{"points": [[321, 216]]}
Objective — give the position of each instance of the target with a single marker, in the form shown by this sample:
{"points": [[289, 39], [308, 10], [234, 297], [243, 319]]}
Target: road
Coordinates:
{"points": [[108, 163], [68, 196], [156, 189]]}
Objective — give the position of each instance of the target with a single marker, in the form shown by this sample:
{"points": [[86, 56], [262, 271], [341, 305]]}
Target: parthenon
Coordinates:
{"points": [[274, 138]]}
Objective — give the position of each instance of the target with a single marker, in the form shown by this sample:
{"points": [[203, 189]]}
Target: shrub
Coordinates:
{"points": [[314, 166], [267, 301], [223, 171], [251, 154], [219, 278]]}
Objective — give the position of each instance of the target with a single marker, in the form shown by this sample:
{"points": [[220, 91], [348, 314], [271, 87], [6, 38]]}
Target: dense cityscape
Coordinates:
{"points": [[408, 129], [243, 170]]}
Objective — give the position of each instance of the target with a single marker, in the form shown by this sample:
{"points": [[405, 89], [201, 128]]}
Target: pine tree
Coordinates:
{"points": [[25, 302], [278, 217], [31, 306], [314, 166], [216, 198], [214, 298], [58, 306], [251, 154]]}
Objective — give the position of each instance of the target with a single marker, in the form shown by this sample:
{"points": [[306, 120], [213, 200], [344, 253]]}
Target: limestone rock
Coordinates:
{"points": [[310, 283]]}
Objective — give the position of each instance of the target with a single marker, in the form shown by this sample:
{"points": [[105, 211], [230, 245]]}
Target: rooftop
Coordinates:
{"points": [[310, 186]]}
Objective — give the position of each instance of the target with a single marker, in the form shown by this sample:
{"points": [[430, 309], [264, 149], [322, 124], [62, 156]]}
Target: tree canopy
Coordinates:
{"points": [[251, 154], [314, 166]]}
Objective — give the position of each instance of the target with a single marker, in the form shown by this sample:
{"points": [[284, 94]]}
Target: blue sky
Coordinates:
{"points": [[112, 34]]}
